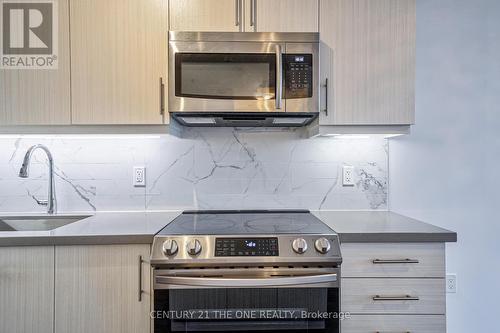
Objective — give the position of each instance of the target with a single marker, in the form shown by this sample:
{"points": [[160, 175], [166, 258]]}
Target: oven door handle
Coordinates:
{"points": [[246, 282]]}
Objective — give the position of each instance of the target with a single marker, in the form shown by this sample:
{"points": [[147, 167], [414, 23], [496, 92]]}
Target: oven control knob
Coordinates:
{"points": [[170, 247], [299, 245], [193, 247], [322, 245]]}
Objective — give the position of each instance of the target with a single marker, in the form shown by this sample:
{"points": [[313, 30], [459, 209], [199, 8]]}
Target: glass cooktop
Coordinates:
{"points": [[240, 222]]}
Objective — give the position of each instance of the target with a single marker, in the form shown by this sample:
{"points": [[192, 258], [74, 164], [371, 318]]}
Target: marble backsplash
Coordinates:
{"points": [[204, 169]]}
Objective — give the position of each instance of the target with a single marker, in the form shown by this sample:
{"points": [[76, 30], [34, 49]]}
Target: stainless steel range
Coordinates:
{"points": [[246, 271]]}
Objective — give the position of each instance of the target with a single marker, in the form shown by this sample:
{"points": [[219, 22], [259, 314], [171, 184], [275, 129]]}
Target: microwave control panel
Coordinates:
{"points": [[298, 70]]}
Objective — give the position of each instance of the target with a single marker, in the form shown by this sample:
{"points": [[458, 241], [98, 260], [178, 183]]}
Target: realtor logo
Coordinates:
{"points": [[29, 34]]}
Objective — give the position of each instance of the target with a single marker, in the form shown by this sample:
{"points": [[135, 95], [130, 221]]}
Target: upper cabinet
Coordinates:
{"points": [[112, 58], [205, 15], [367, 62], [118, 61], [244, 15], [39, 96], [281, 15]]}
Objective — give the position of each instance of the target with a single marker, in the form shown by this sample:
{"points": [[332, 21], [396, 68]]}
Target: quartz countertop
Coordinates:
{"points": [[382, 226], [100, 228], [140, 228]]}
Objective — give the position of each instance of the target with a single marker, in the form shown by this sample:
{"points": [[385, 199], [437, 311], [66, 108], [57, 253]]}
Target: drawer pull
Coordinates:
{"points": [[395, 261], [395, 298], [382, 332]]}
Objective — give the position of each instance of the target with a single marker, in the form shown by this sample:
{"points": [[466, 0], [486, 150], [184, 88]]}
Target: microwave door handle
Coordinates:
{"points": [[279, 77], [246, 282]]}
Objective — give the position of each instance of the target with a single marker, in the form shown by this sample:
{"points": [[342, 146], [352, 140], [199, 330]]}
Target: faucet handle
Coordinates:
{"points": [[43, 202]]}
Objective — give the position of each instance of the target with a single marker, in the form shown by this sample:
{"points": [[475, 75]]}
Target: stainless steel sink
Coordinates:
{"points": [[37, 223]]}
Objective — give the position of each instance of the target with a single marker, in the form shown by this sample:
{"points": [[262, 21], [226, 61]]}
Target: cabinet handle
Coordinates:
{"points": [[140, 291], [395, 298], [395, 261], [162, 96], [253, 13], [402, 332], [237, 13], [326, 97]]}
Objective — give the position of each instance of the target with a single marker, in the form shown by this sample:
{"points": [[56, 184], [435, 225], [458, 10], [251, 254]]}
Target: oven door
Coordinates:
{"points": [[246, 300], [225, 77]]}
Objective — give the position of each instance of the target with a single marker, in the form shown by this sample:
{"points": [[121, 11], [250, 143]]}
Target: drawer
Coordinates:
{"points": [[396, 324], [393, 296], [393, 260]]}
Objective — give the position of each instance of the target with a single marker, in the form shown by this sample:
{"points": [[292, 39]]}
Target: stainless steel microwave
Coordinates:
{"points": [[238, 79]]}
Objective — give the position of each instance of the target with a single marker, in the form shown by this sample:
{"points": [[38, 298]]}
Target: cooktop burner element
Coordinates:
{"points": [[245, 237], [231, 222]]}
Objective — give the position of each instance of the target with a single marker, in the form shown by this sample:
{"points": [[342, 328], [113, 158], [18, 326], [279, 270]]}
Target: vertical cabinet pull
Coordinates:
{"points": [[325, 110], [253, 15], [140, 291], [237, 13], [162, 96]]}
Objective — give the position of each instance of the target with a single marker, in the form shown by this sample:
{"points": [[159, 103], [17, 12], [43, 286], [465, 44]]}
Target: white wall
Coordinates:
{"points": [[447, 172]]}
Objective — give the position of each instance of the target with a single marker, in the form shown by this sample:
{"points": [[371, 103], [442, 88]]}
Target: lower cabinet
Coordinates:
{"points": [[27, 289], [393, 287], [102, 289], [393, 296], [400, 324]]}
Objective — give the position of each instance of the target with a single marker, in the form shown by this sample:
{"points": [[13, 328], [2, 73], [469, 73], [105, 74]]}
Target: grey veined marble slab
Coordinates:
{"points": [[385, 227], [100, 228], [227, 168]]}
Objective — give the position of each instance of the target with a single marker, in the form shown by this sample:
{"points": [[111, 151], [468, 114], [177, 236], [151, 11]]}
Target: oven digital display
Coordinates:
{"points": [[246, 247]]}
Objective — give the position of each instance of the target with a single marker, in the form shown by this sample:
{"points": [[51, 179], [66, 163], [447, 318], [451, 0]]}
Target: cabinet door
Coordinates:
{"points": [[118, 56], [39, 96], [98, 289], [281, 15], [205, 15], [368, 57], [27, 289]]}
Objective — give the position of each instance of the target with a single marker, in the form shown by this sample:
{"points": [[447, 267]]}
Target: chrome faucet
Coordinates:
{"points": [[23, 173]]}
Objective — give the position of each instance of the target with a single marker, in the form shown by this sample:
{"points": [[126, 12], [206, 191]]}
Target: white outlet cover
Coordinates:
{"points": [[139, 176], [451, 283], [348, 175]]}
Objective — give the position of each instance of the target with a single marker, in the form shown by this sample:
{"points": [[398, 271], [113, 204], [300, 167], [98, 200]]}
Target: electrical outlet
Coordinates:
{"points": [[139, 176], [347, 175], [451, 283]]}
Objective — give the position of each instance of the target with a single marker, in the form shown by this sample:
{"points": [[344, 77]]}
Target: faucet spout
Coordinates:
{"points": [[24, 173]]}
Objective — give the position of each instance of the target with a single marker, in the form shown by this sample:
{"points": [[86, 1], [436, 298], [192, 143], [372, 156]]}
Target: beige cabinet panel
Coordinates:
{"points": [[368, 57], [39, 96], [97, 289], [118, 55], [27, 289], [402, 323], [393, 260], [376, 296], [205, 15], [281, 15]]}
